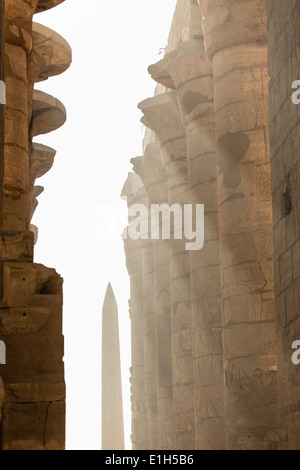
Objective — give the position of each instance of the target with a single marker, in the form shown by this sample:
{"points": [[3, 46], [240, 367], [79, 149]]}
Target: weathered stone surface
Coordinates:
{"points": [[2, 394], [158, 381], [30, 294], [213, 133], [240, 71], [16, 247], [51, 54], [48, 114], [135, 194], [284, 59], [162, 115]]}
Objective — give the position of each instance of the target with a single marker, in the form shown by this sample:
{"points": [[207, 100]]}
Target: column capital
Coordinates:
{"points": [[51, 54], [228, 23], [162, 115], [149, 168], [36, 192], [188, 60], [190, 70], [18, 20], [131, 186], [44, 5], [41, 161], [48, 114]]}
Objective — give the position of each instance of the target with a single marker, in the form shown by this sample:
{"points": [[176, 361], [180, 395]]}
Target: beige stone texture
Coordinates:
{"points": [[162, 115], [226, 136], [240, 71], [284, 59], [188, 70], [135, 194], [157, 308], [31, 294]]}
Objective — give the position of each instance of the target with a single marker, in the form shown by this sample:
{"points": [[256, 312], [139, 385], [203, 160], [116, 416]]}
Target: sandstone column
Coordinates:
{"points": [[31, 294], [135, 194], [235, 37], [2, 79], [112, 403], [1, 396], [161, 114], [284, 59], [149, 168], [189, 71]]}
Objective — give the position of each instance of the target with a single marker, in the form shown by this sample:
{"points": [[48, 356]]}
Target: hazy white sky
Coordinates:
{"points": [[113, 43]]}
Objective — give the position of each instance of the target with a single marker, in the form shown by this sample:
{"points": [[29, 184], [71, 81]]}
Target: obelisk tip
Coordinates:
{"points": [[110, 298]]}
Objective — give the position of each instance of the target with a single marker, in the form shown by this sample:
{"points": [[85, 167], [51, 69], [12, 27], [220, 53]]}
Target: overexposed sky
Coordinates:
{"points": [[113, 43]]}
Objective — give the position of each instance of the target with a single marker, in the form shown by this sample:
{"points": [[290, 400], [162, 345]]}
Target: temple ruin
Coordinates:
{"points": [[212, 330]]}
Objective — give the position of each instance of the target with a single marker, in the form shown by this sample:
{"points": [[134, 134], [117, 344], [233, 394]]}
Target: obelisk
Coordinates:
{"points": [[112, 404]]}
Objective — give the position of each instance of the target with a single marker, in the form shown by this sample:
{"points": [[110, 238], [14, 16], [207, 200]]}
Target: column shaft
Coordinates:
{"points": [[236, 43]]}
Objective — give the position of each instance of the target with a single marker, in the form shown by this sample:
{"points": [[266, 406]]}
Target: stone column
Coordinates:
{"points": [[189, 71], [2, 92], [161, 114], [1, 398], [150, 344], [31, 294], [112, 403], [135, 194], [18, 17], [149, 168], [284, 59], [235, 38]]}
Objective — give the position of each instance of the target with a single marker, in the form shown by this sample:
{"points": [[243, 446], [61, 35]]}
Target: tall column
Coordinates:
{"points": [[235, 38], [284, 59], [2, 92], [189, 71], [161, 114], [1, 398], [31, 294], [149, 168], [112, 403], [135, 194]]}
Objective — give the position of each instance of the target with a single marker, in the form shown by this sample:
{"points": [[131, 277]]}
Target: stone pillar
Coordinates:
{"points": [[31, 294], [135, 194], [1, 397], [150, 345], [2, 92], [161, 114], [157, 323], [284, 59], [189, 71], [235, 38], [112, 403]]}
